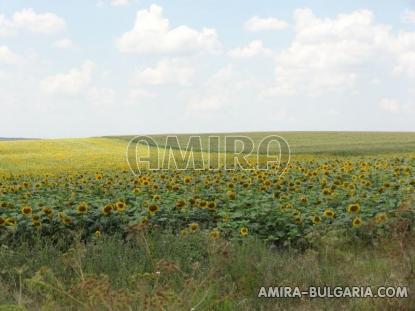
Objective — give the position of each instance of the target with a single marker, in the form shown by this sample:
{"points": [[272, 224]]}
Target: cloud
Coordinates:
{"points": [[325, 53], [152, 34], [120, 2], [27, 19], [390, 105], [102, 97], [167, 71], [70, 83], [259, 24], [253, 49], [65, 44], [7, 56], [6, 27], [409, 17]]}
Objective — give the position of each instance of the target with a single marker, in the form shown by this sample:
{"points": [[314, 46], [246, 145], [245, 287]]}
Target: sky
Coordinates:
{"points": [[84, 68]]}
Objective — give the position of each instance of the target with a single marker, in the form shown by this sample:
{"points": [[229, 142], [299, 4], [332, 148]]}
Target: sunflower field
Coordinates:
{"points": [[354, 196]]}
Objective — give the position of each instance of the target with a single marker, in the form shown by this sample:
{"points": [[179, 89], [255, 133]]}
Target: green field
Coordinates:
{"points": [[100, 238]]}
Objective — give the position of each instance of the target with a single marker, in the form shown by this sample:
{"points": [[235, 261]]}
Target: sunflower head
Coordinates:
{"points": [[193, 227], [26, 210], [187, 179], [2, 221], [243, 231], [316, 220], [381, 217], [120, 206], [211, 205], [153, 208], [107, 209], [180, 203], [11, 221], [357, 222], [231, 195], [47, 211], [82, 208], [354, 208], [98, 233], [329, 213], [215, 234]]}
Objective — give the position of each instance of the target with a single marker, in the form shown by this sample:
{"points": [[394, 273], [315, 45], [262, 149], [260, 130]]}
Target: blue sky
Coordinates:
{"points": [[109, 67]]}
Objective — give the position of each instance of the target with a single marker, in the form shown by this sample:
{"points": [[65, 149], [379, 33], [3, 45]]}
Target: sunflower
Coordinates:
{"points": [[381, 217], [2, 221], [36, 223], [244, 231], [82, 208], [11, 221], [327, 191], [107, 209], [136, 190], [357, 222], [67, 220], [180, 203], [26, 210], [98, 176], [187, 179], [354, 208], [215, 234], [231, 195], [316, 220], [193, 227], [47, 211], [329, 213], [211, 205], [97, 233], [153, 208], [120, 206], [297, 219], [184, 232], [156, 197]]}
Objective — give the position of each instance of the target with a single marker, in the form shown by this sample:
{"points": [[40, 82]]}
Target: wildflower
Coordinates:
{"points": [[244, 231]]}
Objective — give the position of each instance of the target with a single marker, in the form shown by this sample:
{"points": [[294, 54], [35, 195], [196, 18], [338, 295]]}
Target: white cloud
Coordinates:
{"points": [[71, 83], [253, 49], [390, 105], [259, 24], [120, 2], [152, 34], [409, 16], [167, 71], [7, 56], [45, 23], [6, 27], [27, 19], [66, 44], [325, 52]]}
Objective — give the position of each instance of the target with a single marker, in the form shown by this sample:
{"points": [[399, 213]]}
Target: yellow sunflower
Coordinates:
{"points": [[26, 210], [357, 222], [381, 217], [2, 221], [354, 208], [153, 208], [107, 209], [316, 220], [120, 206], [193, 227], [244, 231], [82, 208], [329, 213], [215, 234]]}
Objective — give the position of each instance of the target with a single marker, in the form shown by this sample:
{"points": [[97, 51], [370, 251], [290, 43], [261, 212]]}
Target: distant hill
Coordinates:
{"points": [[9, 138]]}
